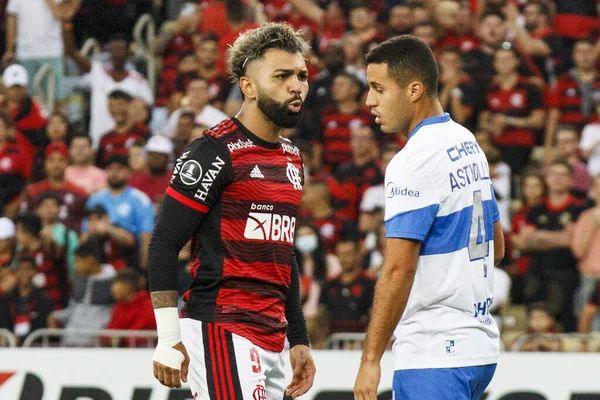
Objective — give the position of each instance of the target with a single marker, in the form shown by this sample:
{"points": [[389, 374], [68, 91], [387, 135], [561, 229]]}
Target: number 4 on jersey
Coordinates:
{"points": [[478, 247]]}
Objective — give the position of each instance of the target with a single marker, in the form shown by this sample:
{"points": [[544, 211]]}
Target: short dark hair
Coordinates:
{"points": [[30, 222], [120, 95], [89, 248], [408, 58], [128, 276], [49, 196], [253, 44]]}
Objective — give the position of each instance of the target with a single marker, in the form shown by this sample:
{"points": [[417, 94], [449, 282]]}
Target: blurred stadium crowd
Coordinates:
{"points": [[82, 172]]}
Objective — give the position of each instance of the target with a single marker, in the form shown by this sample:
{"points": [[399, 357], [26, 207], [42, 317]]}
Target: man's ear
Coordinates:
{"points": [[416, 90], [247, 87]]}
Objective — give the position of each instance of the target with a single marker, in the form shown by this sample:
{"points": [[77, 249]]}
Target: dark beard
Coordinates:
{"points": [[279, 113], [117, 185]]}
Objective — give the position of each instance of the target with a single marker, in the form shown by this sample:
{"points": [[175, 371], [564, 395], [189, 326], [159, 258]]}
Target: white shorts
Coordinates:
{"points": [[226, 366]]}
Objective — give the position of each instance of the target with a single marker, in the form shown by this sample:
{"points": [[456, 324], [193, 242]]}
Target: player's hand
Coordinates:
{"points": [[304, 370], [367, 381], [171, 376]]}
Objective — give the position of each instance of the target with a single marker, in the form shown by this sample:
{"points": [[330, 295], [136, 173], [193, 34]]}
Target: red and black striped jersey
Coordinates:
{"points": [[119, 143], [519, 101], [335, 133], [73, 198], [248, 192], [566, 96]]}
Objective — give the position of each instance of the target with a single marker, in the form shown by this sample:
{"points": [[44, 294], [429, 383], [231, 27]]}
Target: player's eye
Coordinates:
{"points": [[303, 77], [281, 77]]}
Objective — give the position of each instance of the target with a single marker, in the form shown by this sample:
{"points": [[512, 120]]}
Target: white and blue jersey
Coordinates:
{"points": [[438, 191]]}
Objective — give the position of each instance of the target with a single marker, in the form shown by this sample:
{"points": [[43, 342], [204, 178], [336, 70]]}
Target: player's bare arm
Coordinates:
{"points": [[498, 243], [391, 295]]}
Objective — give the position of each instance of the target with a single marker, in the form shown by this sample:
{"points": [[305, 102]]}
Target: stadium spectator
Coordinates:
{"points": [[59, 241], [513, 110], [567, 147], [183, 135], [536, 41], [7, 244], [313, 263], [103, 80], [372, 261], [457, 91], [118, 245], [198, 102], [56, 131], [347, 299], [356, 176], [590, 142], [354, 56], [541, 321], [317, 211], [139, 112], [500, 175], [585, 242], [154, 181], [133, 309], [373, 198], [72, 197], [400, 20], [126, 206], [206, 57], [52, 275], [124, 134], [425, 30], [571, 100], [81, 172], [15, 167], [547, 238], [319, 92], [27, 112], [91, 305], [337, 120], [461, 34], [137, 160], [174, 42], [479, 62], [34, 36], [533, 193], [25, 308], [362, 22]]}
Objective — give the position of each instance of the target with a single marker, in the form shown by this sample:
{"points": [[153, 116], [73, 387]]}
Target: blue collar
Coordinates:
{"points": [[428, 121]]}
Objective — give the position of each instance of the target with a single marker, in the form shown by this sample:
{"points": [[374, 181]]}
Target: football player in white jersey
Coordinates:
{"points": [[443, 239]]}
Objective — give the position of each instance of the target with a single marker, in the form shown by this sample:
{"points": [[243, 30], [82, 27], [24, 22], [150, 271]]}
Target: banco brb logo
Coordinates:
{"points": [[266, 226]]}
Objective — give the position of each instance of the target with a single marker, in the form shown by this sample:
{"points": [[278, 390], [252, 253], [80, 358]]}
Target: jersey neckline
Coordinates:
{"points": [[430, 121], [260, 142]]}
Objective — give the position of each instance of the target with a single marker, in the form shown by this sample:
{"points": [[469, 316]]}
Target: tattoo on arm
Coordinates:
{"points": [[165, 298]]}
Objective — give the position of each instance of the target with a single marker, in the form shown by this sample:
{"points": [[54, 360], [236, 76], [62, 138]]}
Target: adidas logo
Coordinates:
{"points": [[256, 173]]}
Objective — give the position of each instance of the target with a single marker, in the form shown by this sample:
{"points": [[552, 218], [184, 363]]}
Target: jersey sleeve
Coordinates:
{"points": [[201, 174], [411, 200]]}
